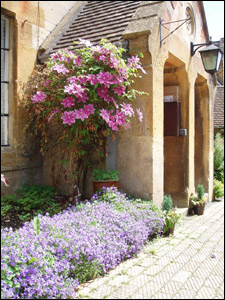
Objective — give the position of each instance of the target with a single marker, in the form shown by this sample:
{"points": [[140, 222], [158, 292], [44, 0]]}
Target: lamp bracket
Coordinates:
{"points": [[161, 24], [198, 46]]}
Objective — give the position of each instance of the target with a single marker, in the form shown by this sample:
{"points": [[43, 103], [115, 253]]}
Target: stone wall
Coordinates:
{"points": [[30, 23]]}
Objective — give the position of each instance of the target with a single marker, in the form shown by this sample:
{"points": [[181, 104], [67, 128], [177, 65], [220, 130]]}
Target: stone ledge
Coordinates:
{"points": [[19, 167]]}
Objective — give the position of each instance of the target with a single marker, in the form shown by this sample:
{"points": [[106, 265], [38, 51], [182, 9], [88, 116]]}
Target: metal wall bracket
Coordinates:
{"points": [[161, 24]]}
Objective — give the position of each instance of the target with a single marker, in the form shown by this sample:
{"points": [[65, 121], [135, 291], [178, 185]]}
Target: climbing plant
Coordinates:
{"points": [[77, 99]]}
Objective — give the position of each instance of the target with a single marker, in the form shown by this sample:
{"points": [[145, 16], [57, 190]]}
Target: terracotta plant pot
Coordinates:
{"points": [[107, 183], [170, 231], [199, 209]]}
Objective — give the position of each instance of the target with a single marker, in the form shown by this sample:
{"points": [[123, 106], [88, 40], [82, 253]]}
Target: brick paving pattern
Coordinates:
{"points": [[188, 265]]}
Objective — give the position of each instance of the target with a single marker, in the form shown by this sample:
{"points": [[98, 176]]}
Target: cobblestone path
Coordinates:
{"points": [[188, 265]]}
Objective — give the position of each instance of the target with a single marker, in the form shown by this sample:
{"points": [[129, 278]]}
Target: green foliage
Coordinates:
{"points": [[218, 188], [167, 203], [198, 198], [101, 175], [200, 191], [101, 95], [5, 208], [29, 201], [171, 218], [219, 157], [85, 270]]}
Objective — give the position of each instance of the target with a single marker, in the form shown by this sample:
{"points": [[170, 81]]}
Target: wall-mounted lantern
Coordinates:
{"points": [[211, 56]]}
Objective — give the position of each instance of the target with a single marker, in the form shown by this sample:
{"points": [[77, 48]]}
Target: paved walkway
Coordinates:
{"points": [[188, 265]]}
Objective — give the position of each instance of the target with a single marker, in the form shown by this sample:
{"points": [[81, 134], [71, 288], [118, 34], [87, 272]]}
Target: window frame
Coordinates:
{"points": [[6, 76], [12, 73]]}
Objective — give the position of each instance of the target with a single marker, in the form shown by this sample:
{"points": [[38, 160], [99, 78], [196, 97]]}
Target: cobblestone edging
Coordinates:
{"points": [[188, 265]]}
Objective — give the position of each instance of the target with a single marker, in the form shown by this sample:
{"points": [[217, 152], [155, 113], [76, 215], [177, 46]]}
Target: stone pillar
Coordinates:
{"points": [[157, 133], [191, 143]]}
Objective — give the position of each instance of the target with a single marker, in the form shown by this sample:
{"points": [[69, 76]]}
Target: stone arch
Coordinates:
{"points": [[176, 153]]}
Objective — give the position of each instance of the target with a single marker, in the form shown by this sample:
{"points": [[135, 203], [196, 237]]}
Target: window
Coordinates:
{"points": [[190, 25], [4, 81]]}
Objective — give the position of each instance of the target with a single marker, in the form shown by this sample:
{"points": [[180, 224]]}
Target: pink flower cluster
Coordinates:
{"points": [[60, 69], [77, 90], [69, 117], [119, 119], [39, 97], [134, 62], [65, 55], [104, 86]]}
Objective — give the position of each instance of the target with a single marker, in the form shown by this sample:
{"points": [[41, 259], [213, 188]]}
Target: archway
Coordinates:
{"points": [[176, 111]]}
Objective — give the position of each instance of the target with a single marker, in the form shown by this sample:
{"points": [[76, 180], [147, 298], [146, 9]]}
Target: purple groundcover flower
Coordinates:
{"points": [[95, 235]]}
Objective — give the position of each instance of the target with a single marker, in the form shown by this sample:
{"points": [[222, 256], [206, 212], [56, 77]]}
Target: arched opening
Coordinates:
{"points": [[176, 109]]}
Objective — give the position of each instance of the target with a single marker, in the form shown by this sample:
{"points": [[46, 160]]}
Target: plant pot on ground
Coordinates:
{"points": [[104, 178], [171, 217], [198, 200], [170, 220]]}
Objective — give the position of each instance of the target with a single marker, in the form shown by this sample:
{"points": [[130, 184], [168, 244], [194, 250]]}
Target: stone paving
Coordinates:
{"points": [[188, 265]]}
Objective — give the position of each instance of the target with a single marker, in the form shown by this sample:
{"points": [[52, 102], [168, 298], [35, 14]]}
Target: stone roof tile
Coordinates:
{"points": [[219, 108], [97, 20]]}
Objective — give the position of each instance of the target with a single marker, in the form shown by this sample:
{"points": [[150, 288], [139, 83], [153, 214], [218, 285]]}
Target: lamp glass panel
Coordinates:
{"points": [[218, 60], [209, 59]]}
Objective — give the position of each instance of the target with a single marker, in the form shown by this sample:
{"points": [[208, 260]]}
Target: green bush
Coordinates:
{"points": [[101, 175], [219, 157], [30, 200], [218, 188], [167, 203]]}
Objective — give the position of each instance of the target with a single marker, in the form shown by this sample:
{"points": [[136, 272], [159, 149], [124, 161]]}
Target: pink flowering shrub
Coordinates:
{"points": [[85, 95]]}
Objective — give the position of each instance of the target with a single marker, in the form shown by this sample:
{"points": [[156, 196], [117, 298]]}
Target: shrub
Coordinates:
{"points": [[219, 157], [80, 243], [218, 188], [30, 200], [78, 99], [101, 175], [167, 203], [200, 191]]}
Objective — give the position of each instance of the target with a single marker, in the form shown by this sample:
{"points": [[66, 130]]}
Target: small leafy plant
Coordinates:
{"points": [[167, 203], [171, 218], [102, 175], [29, 201], [198, 198]]}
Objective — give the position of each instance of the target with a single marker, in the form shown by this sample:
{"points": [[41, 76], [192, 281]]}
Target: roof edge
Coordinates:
{"points": [[47, 45], [201, 5]]}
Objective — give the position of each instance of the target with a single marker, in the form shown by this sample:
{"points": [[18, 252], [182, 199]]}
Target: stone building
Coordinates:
{"points": [[219, 99], [172, 150]]}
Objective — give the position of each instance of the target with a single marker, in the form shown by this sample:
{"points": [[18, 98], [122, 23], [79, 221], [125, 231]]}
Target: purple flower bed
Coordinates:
{"points": [[82, 242]]}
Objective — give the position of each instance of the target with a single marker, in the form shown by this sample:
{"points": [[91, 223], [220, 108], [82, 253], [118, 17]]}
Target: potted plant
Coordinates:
{"points": [[198, 200], [171, 217], [104, 178]]}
